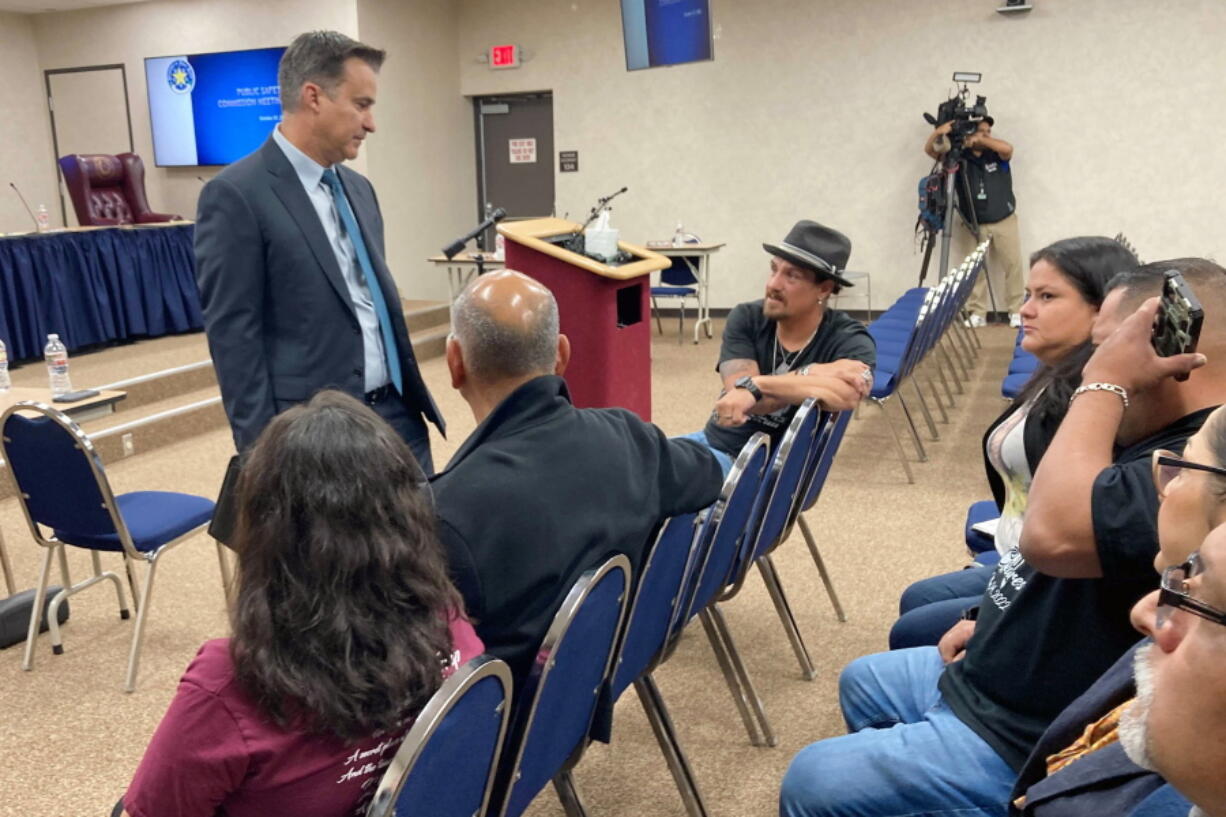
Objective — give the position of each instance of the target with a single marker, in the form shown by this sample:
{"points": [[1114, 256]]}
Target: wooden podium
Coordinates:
{"points": [[603, 309]]}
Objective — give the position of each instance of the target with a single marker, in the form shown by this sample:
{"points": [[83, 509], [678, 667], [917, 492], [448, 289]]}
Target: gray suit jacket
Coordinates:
{"points": [[277, 312]]}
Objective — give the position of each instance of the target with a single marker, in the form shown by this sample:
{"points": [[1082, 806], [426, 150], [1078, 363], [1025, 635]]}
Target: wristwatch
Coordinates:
{"points": [[748, 385]]}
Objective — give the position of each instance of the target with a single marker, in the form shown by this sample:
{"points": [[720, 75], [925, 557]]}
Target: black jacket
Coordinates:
{"points": [[542, 491], [277, 312]]}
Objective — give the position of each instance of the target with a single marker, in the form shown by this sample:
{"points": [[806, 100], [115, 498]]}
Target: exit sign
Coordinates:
{"points": [[504, 56]]}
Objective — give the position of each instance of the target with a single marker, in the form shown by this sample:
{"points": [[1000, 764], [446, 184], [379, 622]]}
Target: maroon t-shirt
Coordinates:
{"points": [[215, 752]]}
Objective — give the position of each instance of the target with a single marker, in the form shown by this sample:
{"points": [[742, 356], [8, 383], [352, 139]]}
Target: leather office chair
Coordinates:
{"points": [[108, 190]]}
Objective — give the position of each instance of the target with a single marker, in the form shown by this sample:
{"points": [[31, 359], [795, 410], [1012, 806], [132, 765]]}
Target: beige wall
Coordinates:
{"points": [[421, 157], [26, 157], [129, 33], [811, 108]]}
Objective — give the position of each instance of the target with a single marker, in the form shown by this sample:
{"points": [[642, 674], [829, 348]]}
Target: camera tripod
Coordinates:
{"points": [[954, 183]]}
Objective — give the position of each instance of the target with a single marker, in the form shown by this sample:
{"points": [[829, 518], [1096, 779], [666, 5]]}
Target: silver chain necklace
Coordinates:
{"points": [[789, 358]]}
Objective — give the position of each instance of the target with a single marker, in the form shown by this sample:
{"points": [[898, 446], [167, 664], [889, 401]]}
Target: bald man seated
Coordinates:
{"points": [[542, 490]]}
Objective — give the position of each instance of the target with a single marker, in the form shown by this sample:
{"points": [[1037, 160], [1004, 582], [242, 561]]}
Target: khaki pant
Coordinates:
{"points": [[1005, 255]]}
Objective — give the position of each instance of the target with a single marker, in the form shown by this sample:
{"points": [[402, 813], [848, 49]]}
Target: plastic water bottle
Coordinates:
{"points": [[5, 381], [43, 218], [678, 236], [57, 365]]}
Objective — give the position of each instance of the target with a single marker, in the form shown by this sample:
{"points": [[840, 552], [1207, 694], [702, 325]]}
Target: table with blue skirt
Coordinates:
{"points": [[96, 285]]}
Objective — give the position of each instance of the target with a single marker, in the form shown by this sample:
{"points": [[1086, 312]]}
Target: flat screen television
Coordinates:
{"points": [[212, 109], [666, 32]]}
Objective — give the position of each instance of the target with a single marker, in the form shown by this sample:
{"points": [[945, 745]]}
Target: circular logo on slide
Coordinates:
{"points": [[180, 76]]}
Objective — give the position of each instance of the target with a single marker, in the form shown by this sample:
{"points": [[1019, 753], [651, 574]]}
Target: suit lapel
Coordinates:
{"points": [[288, 188]]}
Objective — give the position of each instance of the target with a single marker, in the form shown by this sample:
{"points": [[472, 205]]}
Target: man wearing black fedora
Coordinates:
{"points": [[789, 346]]}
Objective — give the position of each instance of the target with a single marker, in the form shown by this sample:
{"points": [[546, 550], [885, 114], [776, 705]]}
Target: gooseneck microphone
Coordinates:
{"points": [[26, 205], [457, 246]]}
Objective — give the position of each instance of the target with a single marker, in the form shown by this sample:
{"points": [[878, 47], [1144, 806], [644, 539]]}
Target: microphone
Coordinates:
{"points": [[457, 246], [26, 205]]}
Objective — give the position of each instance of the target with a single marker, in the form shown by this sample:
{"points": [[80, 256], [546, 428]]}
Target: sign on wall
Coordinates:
{"points": [[568, 161], [523, 151]]}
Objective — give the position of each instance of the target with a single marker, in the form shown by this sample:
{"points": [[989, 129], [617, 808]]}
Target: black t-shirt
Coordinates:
{"points": [[1041, 641], [750, 335], [990, 183]]}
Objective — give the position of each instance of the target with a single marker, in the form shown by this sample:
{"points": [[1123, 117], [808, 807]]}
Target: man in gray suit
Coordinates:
{"points": [[290, 260]]}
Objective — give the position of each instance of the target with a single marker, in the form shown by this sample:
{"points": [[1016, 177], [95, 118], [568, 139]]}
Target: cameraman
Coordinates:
{"points": [[991, 188]]}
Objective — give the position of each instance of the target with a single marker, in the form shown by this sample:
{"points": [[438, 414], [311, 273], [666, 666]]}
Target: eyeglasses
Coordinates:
{"points": [[1168, 464], [1174, 594]]}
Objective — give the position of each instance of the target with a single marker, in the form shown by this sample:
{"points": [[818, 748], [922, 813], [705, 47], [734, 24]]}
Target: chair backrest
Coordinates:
{"points": [[660, 587], [731, 519], [58, 473], [105, 189], [829, 437], [565, 683], [678, 274], [445, 766], [781, 489]]}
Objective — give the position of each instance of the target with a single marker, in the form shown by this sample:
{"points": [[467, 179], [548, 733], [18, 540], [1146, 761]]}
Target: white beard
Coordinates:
{"points": [[1134, 736]]}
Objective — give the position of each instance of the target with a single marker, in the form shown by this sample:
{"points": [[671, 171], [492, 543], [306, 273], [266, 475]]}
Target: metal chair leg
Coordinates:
{"points": [[821, 568], [65, 576], [734, 656], [932, 428], [138, 632], [739, 696], [666, 736], [655, 310], [98, 573], [40, 595], [902, 455], [564, 785], [681, 323], [227, 579], [775, 588], [936, 398], [7, 566], [915, 437], [949, 395], [133, 584]]}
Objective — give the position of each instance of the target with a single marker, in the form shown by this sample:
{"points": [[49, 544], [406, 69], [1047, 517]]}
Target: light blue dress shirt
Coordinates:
{"points": [[310, 173]]}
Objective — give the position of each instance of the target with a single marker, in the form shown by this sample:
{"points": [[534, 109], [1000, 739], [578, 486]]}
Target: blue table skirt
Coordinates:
{"points": [[96, 286]]}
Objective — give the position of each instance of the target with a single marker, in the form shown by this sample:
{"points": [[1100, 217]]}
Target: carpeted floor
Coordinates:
{"points": [[72, 737]]}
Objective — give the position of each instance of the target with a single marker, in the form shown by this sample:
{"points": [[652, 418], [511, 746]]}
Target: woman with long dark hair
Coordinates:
{"points": [[344, 623], [1065, 288]]}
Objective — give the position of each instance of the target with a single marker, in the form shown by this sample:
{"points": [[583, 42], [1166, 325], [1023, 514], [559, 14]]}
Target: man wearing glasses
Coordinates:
{"points": [[937, 731]]}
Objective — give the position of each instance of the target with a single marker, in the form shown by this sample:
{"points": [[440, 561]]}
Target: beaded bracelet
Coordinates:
{"points": [[1111, 387]]}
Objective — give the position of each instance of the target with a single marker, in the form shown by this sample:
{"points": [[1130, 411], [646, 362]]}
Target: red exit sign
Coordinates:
{"points": [[504, 56]]}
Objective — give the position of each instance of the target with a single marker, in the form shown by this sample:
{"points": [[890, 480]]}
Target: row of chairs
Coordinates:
{"points": [[924, 326], [605, 640]]}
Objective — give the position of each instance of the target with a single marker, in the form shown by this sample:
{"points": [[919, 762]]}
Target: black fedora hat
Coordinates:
{"points": [[817, 248]]}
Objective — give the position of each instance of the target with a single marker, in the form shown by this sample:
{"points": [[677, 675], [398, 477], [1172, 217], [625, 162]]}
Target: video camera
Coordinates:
{"points": [[965, 118]]}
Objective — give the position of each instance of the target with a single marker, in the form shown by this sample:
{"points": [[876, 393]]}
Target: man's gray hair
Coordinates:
{"points": [[495, 351], [319, 57]]}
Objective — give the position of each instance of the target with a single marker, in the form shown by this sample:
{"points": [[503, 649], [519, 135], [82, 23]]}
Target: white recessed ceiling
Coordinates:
{"points": [[40, 6]]}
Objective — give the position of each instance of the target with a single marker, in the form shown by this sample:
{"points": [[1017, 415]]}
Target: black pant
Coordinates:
{"points": [[409, 425]]}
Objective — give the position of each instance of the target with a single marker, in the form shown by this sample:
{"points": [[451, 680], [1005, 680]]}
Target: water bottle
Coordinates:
{"points": [[57, 365], [678, 236], [5, 381], [43, 218]]}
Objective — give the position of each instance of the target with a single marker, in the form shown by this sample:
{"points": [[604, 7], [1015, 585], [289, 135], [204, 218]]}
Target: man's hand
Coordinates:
{"points": [[944, 129], [732, 408], [1127, 357], [851, 373], [952, 645]]}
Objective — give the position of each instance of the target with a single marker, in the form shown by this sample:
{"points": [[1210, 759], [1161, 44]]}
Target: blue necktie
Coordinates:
{"points": [[368, 270]]}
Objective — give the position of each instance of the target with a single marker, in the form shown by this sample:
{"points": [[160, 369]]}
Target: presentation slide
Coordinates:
{"points": [[212, 109], [666, 32]]}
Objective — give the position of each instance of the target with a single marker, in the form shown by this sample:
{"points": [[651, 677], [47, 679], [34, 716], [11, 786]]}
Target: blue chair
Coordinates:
{"points": [[826, 445], [981, 511], [779, 496], [645, 639], [61, 486], [677, 281], [563, 689], [445, 766], [734, 514]]}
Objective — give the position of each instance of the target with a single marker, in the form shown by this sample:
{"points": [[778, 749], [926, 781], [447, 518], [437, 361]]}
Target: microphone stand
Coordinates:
{"points": [[456, 247]]}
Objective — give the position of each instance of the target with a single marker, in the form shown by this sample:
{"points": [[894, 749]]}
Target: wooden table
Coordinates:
{"points": [[462, 268], [698, 258]]}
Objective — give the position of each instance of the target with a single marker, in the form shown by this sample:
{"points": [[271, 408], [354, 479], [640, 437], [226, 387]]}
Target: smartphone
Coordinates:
{"points": [[1178, 322], [74, 396]]}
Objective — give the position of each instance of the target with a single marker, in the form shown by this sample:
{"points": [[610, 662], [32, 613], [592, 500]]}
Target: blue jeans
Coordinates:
{"points": [[907, 754], [929, 607], [725, 461]]}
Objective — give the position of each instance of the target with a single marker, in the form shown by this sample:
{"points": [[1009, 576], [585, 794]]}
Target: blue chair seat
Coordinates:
{"points": [[1012, 385], [153, 518], [883, 384], [978, 512], [660, 292], [1023, 362]]}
